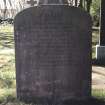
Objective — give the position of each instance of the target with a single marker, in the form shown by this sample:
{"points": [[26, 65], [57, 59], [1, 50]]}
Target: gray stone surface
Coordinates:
{"points": [[100, 52], [32, 2], [53, 54], [53, 2], [100, 49]]}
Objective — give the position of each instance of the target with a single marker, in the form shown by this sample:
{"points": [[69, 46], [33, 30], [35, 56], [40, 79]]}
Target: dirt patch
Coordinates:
{"points": [[98, 77]]}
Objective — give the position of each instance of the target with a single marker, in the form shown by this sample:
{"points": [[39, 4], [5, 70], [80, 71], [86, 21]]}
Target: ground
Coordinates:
{"points": [[98, 77]]}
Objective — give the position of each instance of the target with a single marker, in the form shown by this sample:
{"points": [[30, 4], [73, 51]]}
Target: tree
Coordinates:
{"points": [[89, 2], [5, 9], [85, 4], [95, 12]]}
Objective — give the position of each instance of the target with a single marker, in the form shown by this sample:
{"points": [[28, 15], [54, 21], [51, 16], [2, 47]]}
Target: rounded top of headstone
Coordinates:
{"points": [[52, 2], [32, 2], [64, 13]]}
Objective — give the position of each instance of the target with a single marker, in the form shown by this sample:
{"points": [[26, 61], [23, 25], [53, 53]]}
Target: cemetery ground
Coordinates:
{"points": [[7, 69]]}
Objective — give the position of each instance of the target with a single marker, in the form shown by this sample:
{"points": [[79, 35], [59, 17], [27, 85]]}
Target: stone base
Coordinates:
{"points": [[100, 52]]}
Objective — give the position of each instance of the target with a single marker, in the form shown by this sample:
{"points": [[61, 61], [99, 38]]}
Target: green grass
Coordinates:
{"points": [[6, 36], [95, 41], [7, 64], [7, 94], [6, 28], [99, 94], [7, 71]]}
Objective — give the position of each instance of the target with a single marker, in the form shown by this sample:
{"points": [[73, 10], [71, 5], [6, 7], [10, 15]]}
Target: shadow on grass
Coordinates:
{"points": [[6, 40], [92, 101], [98, 62]]}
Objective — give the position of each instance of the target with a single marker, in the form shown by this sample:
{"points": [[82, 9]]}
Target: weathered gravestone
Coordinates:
{"points": [[53, 53], [100, 48]]}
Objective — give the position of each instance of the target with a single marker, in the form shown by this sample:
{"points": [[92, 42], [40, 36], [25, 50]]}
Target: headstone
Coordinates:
{"points": [[44, 2], [32, 2], [100, 49], [53, 54]]}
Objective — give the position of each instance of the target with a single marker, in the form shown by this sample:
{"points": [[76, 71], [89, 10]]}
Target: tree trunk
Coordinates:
{"points": [[81, 4], [89, 2], [76, 2]]}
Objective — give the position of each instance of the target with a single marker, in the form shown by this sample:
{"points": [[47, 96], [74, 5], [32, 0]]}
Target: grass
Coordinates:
{"points": [[7, 66], [6, 36], [99, 94], [95, 41], [5, 28], [7, 63], [7, 94]]}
